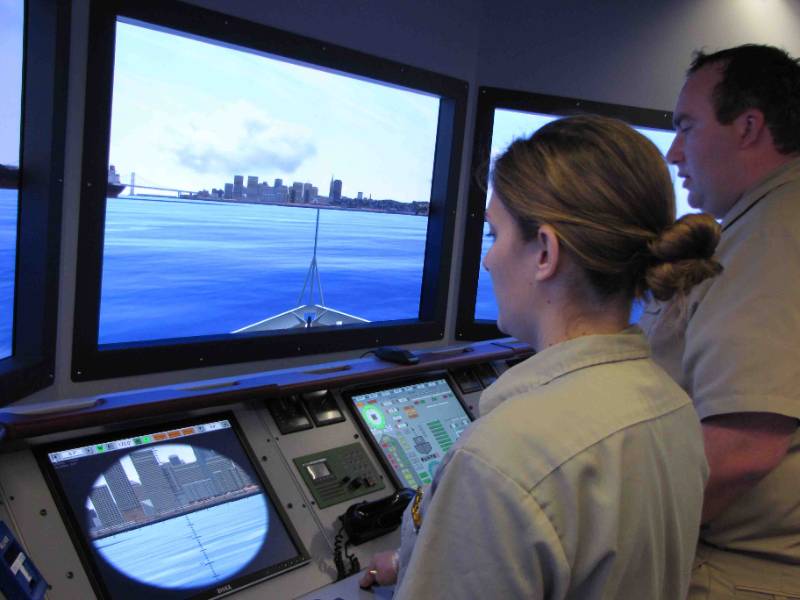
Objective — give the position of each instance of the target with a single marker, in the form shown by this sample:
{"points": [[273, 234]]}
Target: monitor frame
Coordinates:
{"points": [[347, 397], [468, 328], [91, 360], [81, 543], [45, 69]]}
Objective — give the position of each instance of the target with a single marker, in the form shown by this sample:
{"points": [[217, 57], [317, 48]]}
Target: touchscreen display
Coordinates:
{"points": [[413, 425], [173, 512]]}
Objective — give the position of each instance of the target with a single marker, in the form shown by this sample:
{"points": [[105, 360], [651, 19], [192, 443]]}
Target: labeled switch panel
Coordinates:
{"points": [[485, 373], [339, 474], [323, 408], [19, 578], [467, 380], [289, 414]]}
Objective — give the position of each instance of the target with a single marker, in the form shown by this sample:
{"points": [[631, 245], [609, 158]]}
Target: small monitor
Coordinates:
{"points": [[173, 511], [412, 425]]}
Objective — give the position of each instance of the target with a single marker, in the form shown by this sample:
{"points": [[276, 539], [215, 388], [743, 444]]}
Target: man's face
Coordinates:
{"points": [[704, 150]]}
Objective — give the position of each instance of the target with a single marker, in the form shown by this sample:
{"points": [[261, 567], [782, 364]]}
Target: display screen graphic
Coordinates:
{"points": [[249, 193], [172, 513], [11, 34], [510, 125], [414, 426]]}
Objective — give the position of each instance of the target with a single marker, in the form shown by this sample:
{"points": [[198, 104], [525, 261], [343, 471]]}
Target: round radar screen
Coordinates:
{"points": [[373, 417], [177, 516]]}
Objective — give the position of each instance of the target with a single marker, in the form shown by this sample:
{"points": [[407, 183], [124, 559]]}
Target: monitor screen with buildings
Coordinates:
{"points": [[249, 193], [259, 185], [173, 511]]}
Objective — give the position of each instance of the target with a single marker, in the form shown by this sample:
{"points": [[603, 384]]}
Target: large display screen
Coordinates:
{"points": [[174, 511], [11, 34], [262, 193], [412, 425], [510, 125]]}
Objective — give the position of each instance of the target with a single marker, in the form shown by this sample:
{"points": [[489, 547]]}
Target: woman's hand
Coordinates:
{"points": [[382, 569]]}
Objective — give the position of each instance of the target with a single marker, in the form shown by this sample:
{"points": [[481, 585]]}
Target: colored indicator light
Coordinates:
{"points": [[187, 431], [146, 439], [100, 448]]}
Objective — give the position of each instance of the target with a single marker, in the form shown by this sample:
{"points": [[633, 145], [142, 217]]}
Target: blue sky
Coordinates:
{"points": [[190, 114], [510, 125], [11, 24]]}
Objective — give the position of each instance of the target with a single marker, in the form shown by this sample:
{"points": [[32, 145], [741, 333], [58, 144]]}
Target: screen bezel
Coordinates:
{"points": [[489, 100], [347, 396], [82, 544], [45, 68], [92, 360]]}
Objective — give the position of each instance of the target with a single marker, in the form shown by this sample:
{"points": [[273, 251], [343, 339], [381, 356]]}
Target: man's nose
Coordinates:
{"points": [[675, 152]]}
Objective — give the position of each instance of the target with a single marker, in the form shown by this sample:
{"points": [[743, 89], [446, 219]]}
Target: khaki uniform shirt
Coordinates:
{"points": [[736, 348], [584, 481]]}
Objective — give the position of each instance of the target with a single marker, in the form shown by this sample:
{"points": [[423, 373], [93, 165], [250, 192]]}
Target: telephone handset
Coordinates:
{"points": [[364, 521]]}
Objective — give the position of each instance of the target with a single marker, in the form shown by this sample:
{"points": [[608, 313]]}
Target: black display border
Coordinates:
{"points": [[45, 70], [490, 99], [80, 542], [93, 361]]}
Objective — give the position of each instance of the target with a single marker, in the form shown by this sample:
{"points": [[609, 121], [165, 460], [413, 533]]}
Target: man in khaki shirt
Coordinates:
{"points": [[735, 346]]}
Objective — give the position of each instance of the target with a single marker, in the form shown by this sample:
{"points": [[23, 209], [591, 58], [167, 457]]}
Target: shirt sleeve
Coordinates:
{"points": [[743, 342], [483, 536]]}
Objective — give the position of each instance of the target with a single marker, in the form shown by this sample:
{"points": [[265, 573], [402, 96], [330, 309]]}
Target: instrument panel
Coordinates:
{"points": [[101, 510]]}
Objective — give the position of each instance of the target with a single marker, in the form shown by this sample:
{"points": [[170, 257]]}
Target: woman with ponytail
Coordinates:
{"points": [[584, 476]]}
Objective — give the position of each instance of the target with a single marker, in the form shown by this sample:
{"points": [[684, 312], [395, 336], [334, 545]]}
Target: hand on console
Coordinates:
{"points": [[382, 570]]}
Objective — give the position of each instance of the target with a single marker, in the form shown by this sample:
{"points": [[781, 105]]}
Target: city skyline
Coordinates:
{"points": [[143, 486], [210, 111]]}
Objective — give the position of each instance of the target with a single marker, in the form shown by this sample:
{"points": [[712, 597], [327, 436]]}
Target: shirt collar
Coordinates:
{"points": [[565, 357], [780, 176]]}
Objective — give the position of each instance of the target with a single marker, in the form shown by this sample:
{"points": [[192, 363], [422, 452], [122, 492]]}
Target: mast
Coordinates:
{"points": [[313, 274]]}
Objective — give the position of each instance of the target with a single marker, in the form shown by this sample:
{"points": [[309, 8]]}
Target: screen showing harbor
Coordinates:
{"points": [[251, 193]]}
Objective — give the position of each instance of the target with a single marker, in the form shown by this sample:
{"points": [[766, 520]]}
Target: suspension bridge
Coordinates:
{"points": [[142, 184]]}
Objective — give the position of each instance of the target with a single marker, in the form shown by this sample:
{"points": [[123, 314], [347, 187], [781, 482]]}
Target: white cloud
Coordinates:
{"points": [[238, 138]]}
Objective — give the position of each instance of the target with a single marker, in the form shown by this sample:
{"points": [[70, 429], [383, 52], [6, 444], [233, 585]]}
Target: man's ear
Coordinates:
{"points": [[750, 127], [548, 253]]}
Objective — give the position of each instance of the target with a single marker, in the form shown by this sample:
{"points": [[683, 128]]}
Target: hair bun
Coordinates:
{"points": [[682, 256], [692, 236]]}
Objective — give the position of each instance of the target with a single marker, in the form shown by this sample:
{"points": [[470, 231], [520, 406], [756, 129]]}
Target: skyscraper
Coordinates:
{"points": [[336, 190], [105, 507], [296, 193], [121, 488], [154, 481], [252, 187], [238, 186]]}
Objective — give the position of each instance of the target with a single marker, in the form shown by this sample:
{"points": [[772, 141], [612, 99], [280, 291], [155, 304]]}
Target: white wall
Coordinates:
{"points": [[627, 52]]}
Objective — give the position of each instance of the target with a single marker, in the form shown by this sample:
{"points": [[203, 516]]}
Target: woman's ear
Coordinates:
{"points": [[548, 253]]}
